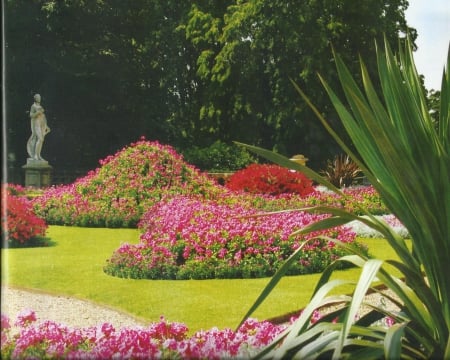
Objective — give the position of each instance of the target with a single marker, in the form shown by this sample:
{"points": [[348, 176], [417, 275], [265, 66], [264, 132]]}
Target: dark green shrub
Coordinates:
{"points": [[219, 157]]}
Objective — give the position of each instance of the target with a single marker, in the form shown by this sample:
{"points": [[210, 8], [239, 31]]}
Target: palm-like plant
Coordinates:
{"points": [[342, 171], [407, 160]]}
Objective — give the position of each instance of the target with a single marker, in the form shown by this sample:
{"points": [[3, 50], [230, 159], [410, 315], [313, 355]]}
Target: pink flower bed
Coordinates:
{"points": [[186, 237], [28, 339], [167, 340], [124, 186]]}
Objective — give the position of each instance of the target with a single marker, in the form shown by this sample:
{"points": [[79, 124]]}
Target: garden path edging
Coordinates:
{"points": [[63, 309]]}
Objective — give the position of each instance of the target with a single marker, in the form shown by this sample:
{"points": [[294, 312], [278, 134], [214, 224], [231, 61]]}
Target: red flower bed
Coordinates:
{"points": [[20, 225], [270, 179]]}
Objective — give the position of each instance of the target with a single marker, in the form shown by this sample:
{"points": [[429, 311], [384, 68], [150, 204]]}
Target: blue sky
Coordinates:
{"points": [[431, 19]]}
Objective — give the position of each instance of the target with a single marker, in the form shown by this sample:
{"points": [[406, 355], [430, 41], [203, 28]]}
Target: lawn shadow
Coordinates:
{"points": [[31, 243]]}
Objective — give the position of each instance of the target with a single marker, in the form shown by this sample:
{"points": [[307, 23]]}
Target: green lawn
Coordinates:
{"points": [[73, 266]]}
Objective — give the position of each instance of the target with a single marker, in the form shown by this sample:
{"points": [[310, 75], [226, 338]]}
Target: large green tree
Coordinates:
{"points": [[248, 54], [185, 73]]}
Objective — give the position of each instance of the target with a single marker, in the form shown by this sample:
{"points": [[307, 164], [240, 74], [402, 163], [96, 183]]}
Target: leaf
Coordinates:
{"points": [[393, 341]]}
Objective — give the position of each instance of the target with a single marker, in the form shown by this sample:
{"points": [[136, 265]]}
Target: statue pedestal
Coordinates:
{"points": [[38, 173]]}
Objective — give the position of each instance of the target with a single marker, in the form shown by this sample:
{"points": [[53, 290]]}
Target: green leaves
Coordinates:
{"points": [[407, 160]]}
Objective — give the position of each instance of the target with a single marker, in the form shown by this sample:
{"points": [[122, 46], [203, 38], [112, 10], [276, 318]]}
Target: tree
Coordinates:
{"points": [[104, 83], [248, 54], [185, 73]]}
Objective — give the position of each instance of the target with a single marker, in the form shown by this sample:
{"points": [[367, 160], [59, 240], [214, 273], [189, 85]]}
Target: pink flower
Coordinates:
{"points": [[25, 318], [5, 324]]}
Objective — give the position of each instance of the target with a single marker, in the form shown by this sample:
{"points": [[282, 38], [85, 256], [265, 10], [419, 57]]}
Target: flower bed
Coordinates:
{"points": [[161, 340], [356, 199], [164, 340], [20, 225], [125, 185], [270, 179], [29, 339], [192, 238]]}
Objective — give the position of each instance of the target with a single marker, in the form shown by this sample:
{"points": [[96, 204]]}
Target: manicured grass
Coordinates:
{"points": [[73, 266]]}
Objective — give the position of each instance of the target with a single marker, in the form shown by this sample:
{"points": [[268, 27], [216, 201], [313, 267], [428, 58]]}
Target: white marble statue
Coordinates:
{"points": [[39, 129]]}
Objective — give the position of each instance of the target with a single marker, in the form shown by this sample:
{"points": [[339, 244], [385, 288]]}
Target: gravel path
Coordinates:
{"points": [[81, 313], [62, 309]]}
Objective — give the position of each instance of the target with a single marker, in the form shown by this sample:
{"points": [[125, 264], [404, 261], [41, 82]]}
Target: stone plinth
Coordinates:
{"points": [[38, 173]]}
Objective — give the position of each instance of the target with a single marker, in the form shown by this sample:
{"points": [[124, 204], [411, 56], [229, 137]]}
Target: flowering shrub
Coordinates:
{"points": [[123, 187], [270, 179], [20, 225], [185, 237]]}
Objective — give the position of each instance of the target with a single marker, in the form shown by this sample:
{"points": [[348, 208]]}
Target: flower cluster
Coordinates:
{"points": [[270, 179], [125, 185], [20, 225], [161, 340], [187, 237]]}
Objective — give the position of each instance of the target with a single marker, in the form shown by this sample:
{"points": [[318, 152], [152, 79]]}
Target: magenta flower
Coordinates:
{"points": [[25, 318]]}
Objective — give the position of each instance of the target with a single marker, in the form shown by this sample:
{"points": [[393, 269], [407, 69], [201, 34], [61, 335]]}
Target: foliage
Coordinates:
{"points": [[20, 225], [118, 192], [269, 179], [189, 238], [247, 51], [390, 135], [218, 157], [342, 171], [184, 72]]}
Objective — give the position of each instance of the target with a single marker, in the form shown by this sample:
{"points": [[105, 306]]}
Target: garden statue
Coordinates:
{"points": [[39, 129]]}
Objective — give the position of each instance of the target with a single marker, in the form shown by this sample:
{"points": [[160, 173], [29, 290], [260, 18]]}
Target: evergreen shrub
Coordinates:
{"points": [[219, 157]]}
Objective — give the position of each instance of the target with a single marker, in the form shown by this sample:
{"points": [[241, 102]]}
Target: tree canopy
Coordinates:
{"points": [[183, 73]]}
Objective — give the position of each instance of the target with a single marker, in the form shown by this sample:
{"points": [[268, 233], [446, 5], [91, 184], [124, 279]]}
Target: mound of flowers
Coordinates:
{"points": [[269, 179], [192, 238], [21, 227], [125, 185]]}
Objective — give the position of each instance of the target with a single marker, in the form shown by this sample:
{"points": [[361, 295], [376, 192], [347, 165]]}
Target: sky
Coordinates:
{"points": [[431, 19]]}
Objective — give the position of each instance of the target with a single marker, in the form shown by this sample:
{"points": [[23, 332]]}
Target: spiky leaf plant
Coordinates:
{"points": [[342, 171], [407, 160]]}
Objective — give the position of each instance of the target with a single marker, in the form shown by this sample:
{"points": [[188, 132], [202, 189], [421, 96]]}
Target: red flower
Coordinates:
{"points": [[270, 179]]}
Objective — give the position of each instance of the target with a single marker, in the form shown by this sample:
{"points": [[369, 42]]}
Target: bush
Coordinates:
{"points": [[219, 157], [20, 225], [190, 238], [127, 184], [342, 171], [269, 179]]}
